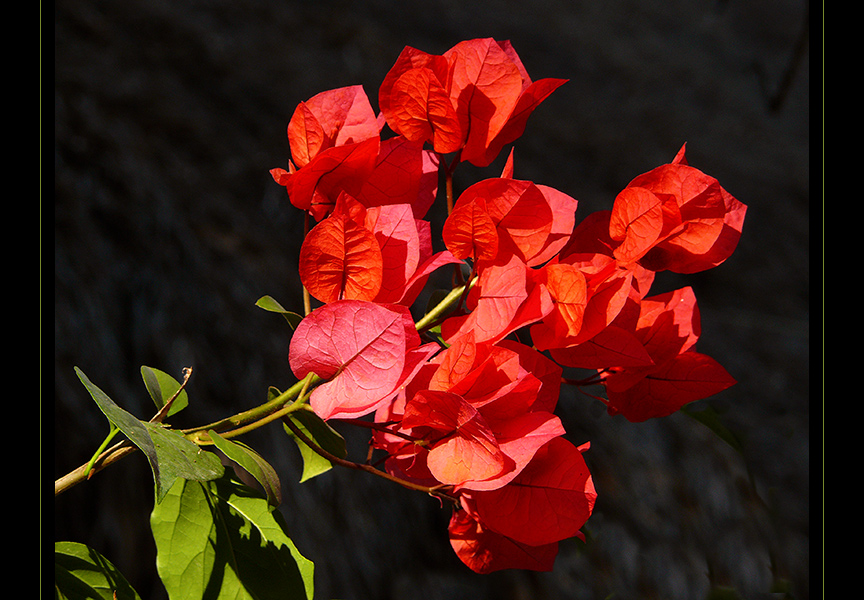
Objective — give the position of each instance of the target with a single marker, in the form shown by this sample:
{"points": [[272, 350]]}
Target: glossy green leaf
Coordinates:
{"points": [[269, 304], [81, 572], [253, 463], [161, 386], [220, 540], [320, 433], [169, 453]]}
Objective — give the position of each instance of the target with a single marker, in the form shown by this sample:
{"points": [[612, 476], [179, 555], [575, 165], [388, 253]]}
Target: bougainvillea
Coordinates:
{"points": [[463, 400]]}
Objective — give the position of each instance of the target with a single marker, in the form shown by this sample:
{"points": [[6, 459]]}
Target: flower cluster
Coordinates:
{"points": [[472, 409]]}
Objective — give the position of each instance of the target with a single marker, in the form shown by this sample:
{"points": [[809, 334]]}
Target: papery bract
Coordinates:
{"points": [[334, 141], [485, 551], [421, 110], [364, 350], [474, 99], [464, 449], [315, 187], [550, 500], [493, 96], [687, 377], [404, 173], [332, 118], [504, 299], [668, 328], [340, 257], [519, 211], [469, 232], [697, 227]]}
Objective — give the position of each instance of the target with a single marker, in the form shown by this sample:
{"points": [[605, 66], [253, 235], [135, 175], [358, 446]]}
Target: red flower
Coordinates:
{"points": [[475, 98]]}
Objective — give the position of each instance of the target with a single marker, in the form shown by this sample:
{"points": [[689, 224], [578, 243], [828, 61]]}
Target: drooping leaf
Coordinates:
{"points": [[171, 456], [221, 539], [253, 463], [162, 387], [321, 434], [710, 417], [82, 572]]}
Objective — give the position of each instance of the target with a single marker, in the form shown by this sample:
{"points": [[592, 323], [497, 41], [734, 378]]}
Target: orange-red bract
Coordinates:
{"points": [[485, 551], [334, 141], [469, 232], [493, 96], [676, 218], [340, 257], [332, 118], [463, 447], [474, 99], [404, 173], [549, 501], [473, 414], [668, 328]]}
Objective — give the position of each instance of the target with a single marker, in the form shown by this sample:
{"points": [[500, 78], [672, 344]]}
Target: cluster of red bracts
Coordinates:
{"points": [[474, 411]]}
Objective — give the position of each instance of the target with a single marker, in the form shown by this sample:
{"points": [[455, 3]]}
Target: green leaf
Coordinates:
{"points": [[270, 304], [711, 419], [161, 387], [320, 433], [220, 540], [169, 453], [252, 463], [81, 572]]}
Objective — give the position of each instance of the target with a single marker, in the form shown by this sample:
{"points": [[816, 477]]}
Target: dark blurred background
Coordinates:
{"points": [[168, 227]]}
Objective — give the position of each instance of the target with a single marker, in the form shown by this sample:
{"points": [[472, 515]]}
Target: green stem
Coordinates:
{"points": [[442, 308], [260, 415], [114, 431]]}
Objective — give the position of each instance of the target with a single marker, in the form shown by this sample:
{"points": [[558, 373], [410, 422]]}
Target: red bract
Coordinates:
{"points": [[472, 416], [334, 141], [365, 351], [475, 98], [505, 298], [381, 253], [676, 218], [519, 525], [668, 328], [486, 551], [404, 173], [463, 447], [340, 257]]}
